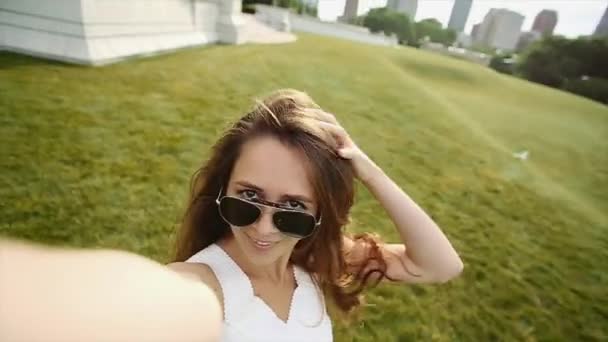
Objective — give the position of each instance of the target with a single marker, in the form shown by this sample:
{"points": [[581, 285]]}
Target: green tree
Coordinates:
{"points": [[375, 20], [577, 65], [540, 64], [402, 26], [389, 22], [450, 36], [433, 29], [556, 59], [429, 28]]}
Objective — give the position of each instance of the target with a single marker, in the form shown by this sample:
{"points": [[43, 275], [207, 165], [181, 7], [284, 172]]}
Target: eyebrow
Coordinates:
{"points": [[301, 198]]}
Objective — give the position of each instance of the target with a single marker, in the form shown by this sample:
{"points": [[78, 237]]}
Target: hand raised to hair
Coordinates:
{"points": [[364, 167]]}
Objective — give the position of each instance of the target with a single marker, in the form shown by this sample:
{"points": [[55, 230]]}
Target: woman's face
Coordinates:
{"points": [[269, 170]]}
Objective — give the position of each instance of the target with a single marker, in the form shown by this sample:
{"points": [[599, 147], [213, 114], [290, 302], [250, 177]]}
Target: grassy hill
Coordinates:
{"points": [[101, 157]]}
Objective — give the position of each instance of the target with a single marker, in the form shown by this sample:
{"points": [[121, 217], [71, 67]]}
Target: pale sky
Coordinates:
{"points": [[575, 17]]}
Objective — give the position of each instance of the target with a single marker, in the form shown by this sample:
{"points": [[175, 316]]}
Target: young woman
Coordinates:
{"points": [[265, 224]]}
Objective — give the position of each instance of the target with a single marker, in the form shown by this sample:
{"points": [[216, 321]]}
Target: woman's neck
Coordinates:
{"points": [[278, 272]]}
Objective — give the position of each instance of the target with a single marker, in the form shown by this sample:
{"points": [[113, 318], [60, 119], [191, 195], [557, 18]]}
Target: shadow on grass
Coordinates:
{"points": [[10, 60]]}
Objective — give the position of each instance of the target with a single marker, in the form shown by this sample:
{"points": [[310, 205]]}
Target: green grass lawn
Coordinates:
{"points": [[101, 157]]}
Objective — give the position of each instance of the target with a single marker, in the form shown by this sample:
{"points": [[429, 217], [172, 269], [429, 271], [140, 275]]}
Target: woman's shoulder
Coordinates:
{"points": [[195, 271], [198, 272]]}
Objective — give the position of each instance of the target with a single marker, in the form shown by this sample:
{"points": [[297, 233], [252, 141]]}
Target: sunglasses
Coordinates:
{"points": [[240, 213]]}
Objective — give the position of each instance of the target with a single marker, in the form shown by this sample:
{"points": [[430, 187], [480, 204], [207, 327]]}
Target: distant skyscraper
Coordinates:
{"points": [[460, 14], [602, 27], [526, 39], [408, 7], [500, 29], [475, 32], [355, 8], [545, 22]]}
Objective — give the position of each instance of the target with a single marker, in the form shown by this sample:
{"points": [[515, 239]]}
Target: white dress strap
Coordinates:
{"points": [[236, 287], [310, 312]]}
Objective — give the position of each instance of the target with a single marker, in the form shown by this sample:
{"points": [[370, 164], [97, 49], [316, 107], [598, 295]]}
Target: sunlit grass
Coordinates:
{"points": [[101, 157]]}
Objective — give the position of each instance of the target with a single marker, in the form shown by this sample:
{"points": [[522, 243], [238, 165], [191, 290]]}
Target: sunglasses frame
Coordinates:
{"points": [[271, 205]]}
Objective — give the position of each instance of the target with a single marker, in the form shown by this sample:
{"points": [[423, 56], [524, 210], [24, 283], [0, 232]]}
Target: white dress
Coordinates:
{"points": [[248, 318]]}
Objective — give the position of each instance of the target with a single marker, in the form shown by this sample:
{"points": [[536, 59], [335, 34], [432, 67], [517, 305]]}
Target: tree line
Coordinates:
{"points": [[408, 31], [577, 65]]}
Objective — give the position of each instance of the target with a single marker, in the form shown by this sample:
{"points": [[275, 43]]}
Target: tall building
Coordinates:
{"points": [[475, 32], [408, 7], [545, 22], [500, 29], [354, 8], [460, 14], [602, 27], [526, 39]]}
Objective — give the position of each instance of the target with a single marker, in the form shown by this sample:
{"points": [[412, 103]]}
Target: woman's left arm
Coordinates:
{"points": [[429, 256]]}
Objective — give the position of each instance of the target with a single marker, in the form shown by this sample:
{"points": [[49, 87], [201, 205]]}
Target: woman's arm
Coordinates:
{"points": [[429, 256], [85, 295]]}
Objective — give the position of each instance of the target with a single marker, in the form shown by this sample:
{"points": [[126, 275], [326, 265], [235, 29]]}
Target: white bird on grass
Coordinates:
{"points": [[523, 155]]}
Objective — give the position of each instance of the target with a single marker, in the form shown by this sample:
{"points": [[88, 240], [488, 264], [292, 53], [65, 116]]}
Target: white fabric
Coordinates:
{"points": [[248, 318]]}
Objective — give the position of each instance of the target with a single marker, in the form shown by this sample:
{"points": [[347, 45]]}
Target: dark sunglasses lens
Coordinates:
{"points": [[294, 223], [237, 212]]}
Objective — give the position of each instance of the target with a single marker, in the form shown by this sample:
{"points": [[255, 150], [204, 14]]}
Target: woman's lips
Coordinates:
{"points": [[261, 244]]}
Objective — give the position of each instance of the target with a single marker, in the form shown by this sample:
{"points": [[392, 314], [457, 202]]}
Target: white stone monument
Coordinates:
{"points": [[104, 31]]}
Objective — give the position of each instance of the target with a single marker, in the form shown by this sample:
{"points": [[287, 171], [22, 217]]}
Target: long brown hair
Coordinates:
{"points": [[290, 116]]}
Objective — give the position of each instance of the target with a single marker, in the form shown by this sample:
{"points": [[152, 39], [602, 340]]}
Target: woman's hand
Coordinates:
{"points": [[429, 257], [364, 167], [99, 295]]}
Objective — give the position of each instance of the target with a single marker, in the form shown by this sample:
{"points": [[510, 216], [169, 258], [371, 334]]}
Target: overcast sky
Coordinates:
{"points": [[576, 17]]}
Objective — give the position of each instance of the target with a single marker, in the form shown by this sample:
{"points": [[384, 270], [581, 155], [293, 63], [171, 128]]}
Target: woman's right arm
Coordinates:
{"points": [[49, 294]]}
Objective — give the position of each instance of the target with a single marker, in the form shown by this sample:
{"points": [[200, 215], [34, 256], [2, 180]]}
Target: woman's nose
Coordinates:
{"points": [[265, 225]]}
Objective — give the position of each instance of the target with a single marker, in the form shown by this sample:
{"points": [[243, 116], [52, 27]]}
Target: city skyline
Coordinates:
{"points": [[576, 18]]}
